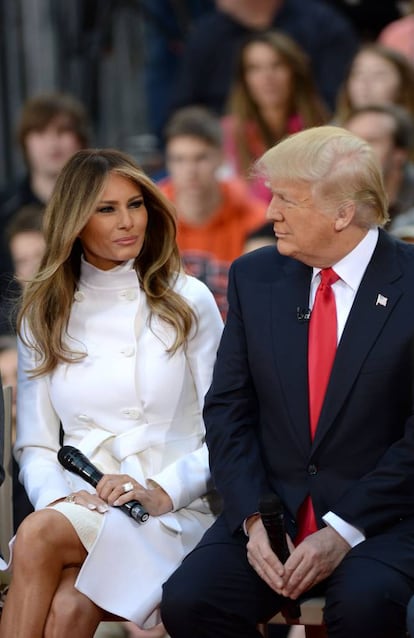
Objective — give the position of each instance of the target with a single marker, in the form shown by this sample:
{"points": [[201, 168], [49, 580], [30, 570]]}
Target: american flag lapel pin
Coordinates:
{"points": [[381, 300]]}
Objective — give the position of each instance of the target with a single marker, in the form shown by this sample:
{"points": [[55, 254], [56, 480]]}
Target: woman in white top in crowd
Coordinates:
{"points": [[116, 352]]}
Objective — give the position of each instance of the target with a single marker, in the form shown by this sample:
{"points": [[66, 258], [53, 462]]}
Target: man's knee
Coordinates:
{"points": [[410, 618], [369, 599], [182, 602]]}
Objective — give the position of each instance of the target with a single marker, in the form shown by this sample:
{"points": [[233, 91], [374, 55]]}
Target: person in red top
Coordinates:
{"points": [[273, 94], [215, 215]]}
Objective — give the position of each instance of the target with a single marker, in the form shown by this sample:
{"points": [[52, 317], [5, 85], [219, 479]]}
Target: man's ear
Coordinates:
{"points": [[344, 215]]}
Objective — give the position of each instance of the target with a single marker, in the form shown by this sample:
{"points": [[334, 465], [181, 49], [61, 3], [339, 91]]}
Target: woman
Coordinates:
{"points": [[117, 345], [378, 75], [273, 95]]}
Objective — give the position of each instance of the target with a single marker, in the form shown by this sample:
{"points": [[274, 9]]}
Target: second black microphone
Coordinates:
{"points": [[271, 512]]}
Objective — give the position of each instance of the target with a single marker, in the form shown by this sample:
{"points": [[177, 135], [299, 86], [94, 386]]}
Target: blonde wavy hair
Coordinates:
{"points": [[47, 300], [340, 167]]}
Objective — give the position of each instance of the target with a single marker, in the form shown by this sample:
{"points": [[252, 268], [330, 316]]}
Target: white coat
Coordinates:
{"points": [[131, 408]]}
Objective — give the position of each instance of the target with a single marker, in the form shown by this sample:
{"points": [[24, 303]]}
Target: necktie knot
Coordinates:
{"points": [[328, 277]]}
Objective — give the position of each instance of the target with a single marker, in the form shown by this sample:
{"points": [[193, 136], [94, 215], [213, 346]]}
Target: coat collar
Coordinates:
{"points": [[118, 277]]}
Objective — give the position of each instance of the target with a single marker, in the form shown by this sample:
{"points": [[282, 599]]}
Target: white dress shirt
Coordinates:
{"points": [[350, 269]]}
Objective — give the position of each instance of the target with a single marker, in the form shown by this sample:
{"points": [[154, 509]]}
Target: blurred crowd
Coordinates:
{"points": [[242, 75]]}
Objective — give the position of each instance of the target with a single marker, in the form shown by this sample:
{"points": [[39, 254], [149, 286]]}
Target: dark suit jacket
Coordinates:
{"points": [[361, 462]]}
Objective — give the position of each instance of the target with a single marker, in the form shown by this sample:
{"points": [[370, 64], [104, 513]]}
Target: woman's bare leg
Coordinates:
{"points": [[158, 631], [71, 612], [46, 543]]}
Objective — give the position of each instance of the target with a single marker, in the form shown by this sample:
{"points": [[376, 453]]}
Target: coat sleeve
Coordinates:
{"points": [[37, 436], [231, 416], [188, 477], [384, 496]]}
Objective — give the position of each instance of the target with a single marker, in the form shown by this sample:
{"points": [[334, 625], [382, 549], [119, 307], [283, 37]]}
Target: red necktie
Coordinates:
{"points": [[321, 344], [322, 341]]}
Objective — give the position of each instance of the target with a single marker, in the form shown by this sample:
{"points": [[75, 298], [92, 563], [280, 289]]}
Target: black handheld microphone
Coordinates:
{"points": [[271, 512], [73, 460]]}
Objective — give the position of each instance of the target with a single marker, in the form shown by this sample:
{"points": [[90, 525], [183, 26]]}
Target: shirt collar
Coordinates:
{"points": [[352, 267]]}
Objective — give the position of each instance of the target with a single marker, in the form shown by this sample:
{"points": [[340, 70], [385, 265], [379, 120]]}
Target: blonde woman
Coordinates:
{"points": [[117, 345]]}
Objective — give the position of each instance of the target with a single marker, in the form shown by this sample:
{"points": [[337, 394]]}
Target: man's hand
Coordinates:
{"points": [[312, 561], [261, 557], [309, 563]]}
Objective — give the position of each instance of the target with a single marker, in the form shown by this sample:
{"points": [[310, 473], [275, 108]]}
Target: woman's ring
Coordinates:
{"points": [[70, 498], [127, 487]]}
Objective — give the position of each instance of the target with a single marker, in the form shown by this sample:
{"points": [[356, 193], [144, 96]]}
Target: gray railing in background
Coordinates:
{"points": [[91, 48]]}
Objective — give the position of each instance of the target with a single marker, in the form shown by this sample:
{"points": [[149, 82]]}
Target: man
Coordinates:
{"points": [[207, 64], [337, 446], [214, 215], [167, 25], [389, 130], [51, 127]]}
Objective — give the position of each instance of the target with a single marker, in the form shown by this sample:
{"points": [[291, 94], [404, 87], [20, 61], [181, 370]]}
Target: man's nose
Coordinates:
{"points": [[274, 212]]}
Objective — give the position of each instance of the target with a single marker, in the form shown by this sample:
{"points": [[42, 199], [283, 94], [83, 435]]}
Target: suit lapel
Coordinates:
{"points": [[290, 336], [375, 300]]}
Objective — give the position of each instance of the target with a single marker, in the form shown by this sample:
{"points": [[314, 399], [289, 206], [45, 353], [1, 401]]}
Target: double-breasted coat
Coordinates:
{"points": [[131, 408]]}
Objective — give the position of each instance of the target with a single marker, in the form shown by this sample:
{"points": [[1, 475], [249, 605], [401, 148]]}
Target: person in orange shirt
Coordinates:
{"points": [[215, 215]]}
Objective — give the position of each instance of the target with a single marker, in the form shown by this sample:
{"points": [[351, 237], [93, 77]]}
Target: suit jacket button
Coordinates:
{"points": [[312, 469]]}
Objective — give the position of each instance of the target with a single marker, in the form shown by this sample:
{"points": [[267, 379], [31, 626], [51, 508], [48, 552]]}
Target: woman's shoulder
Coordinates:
{"points": [[201, 300], [187, 285], [193, 290]]}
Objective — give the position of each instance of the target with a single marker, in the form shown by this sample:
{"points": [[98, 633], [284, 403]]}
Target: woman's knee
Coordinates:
{"points": [[34, 534], [43, 535], [68, 605]]}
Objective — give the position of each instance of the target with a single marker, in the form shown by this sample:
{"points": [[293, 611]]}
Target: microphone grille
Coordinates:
{"points": [[66, 453]]}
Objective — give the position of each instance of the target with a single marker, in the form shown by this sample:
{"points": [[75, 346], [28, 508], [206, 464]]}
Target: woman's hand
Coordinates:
{"points": [[86, 499], [117, 489]]}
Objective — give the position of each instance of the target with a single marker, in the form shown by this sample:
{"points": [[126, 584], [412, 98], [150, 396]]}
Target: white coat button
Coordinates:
{"points": [[128, 295], [84, 418], [79, 295], [130, 413], [128, 351]]}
